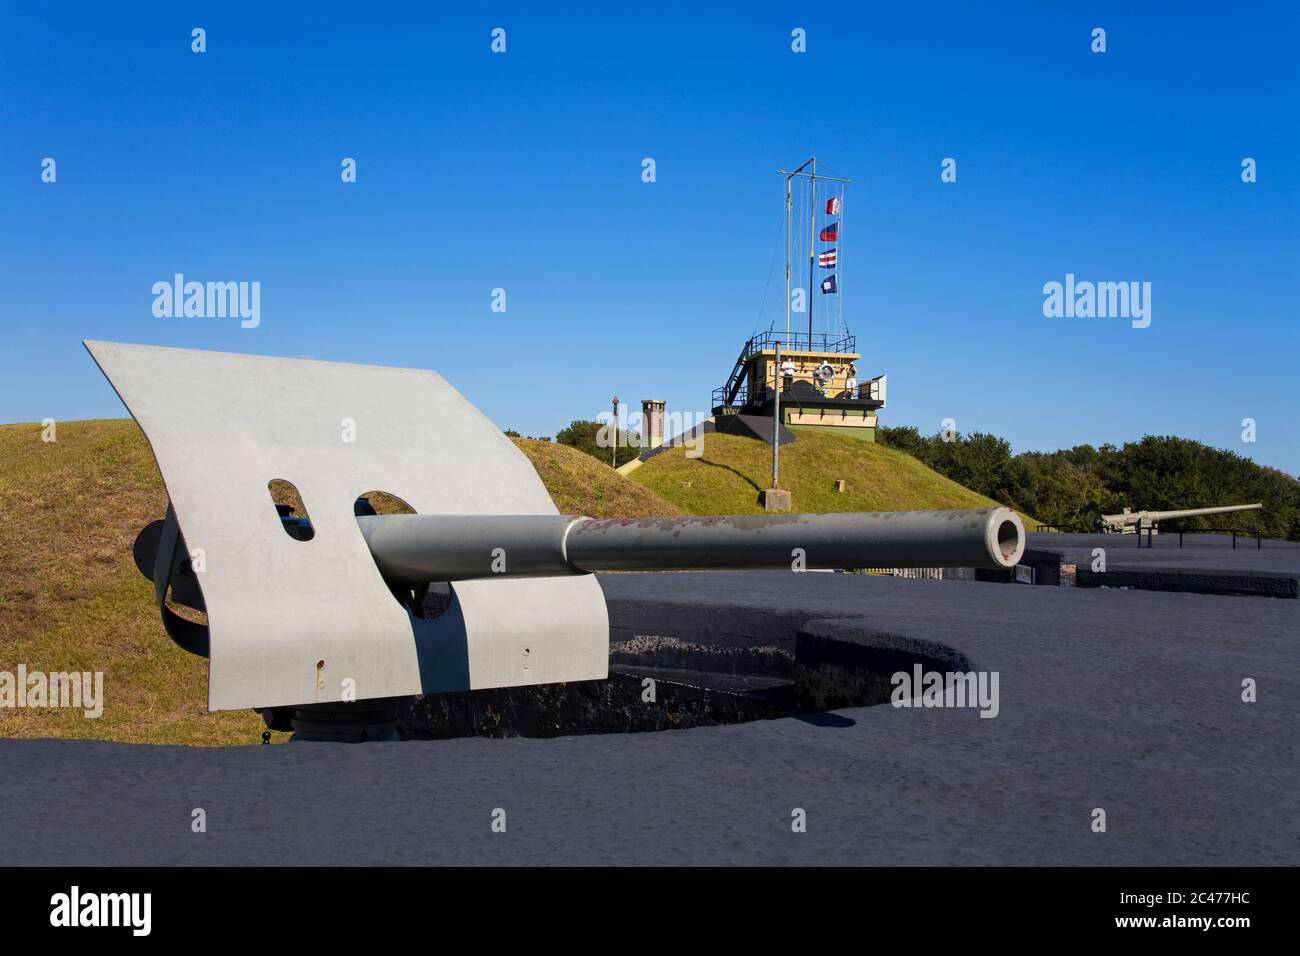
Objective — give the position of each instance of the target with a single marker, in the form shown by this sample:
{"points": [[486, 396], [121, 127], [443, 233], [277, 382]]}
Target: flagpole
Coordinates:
{"points": [[788, 180], [812, 244], [812, 252]]}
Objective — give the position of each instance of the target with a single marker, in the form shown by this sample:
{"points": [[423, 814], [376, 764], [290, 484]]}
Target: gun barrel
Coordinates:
{"points": [[1133, 517], [414, 549], [1193, 512]]}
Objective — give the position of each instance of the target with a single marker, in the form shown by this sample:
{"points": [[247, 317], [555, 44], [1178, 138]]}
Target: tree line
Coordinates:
{"points": [[1071, 488]]}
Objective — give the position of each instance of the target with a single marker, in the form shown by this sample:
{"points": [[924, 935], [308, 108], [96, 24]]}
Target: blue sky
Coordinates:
{"points": [[522, 171]]}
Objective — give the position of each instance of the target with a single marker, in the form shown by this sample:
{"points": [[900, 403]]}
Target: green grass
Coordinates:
{"points": [[71, 598], [728, 477], [579, 484]]}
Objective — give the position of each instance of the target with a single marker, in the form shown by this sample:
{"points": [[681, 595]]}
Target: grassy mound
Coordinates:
{"points": [[581, 485], [728, 477]]}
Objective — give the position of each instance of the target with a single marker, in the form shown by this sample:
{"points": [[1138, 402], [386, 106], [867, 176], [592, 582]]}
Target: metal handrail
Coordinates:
{"points": [[736, 390], [1244, 532], [1256, 533], [799, 342]]}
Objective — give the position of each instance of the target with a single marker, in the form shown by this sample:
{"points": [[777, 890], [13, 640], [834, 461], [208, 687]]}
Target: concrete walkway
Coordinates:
{"points": [[1128, 701]]}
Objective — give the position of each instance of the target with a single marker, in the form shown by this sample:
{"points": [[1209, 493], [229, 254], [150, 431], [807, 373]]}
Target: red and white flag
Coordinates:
{"points": [[826, 259], [833, 206]]}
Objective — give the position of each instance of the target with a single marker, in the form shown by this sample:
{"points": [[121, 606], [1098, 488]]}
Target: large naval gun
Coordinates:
{"points": [[416, 549], [316, 610], [1127, 522]]}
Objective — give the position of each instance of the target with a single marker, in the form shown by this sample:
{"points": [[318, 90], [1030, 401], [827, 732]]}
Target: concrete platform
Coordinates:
{"points": [[1125, 700], [1205, 564]]}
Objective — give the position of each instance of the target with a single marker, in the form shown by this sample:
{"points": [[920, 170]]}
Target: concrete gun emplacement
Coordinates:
{"points": [[325, 608], [1127, 522]]}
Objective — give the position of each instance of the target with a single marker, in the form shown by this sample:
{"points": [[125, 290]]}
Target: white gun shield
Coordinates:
{"points": [[292, 622]]}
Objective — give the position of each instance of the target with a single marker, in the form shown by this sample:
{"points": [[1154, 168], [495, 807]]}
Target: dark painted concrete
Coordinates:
{"points": [[1212, 551], [1126, 700], [1205, 564]]}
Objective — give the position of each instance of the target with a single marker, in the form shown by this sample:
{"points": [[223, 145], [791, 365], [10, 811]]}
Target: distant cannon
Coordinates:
{"points": [[1127, 522], [301, 610]]}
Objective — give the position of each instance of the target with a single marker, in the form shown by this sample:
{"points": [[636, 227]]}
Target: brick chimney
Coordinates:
{"points": [[652, 420]]}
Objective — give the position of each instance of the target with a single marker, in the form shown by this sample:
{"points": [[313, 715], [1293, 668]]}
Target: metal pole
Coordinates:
{"points": [[776, 416], [789, 218], [614, 451], [417, 549], [788, 180], [812, 244]]}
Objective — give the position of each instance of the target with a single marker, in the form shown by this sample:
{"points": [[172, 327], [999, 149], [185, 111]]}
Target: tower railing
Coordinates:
{"points": [[735, 392], [800, 342]]}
